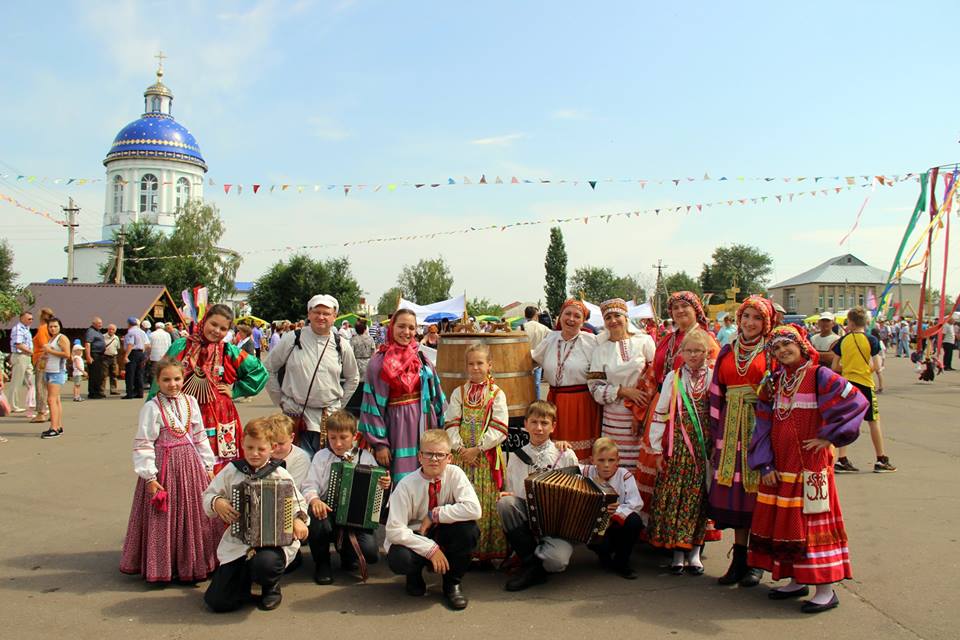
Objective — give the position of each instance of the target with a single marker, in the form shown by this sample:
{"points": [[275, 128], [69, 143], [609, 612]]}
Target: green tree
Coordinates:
{"points": [[388, 301], [194, 239], [426, 282], [681, 281], [282, 292], [143, 243], [8, 277], [601, 283], [483, 307], [748, 267], [555, 265]]}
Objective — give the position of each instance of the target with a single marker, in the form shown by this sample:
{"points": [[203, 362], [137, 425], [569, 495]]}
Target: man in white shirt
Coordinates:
{"points": [[432, 521], [537, 332], [159, 345], [949, 342], [320, 372], [823, 341]]}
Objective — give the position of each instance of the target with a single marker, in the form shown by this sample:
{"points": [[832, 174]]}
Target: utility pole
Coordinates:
{"points": [[659, 287], [71, 212], [121, 241]]}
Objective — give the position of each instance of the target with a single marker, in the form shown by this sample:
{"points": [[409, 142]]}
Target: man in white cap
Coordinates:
{"points": [[823, 341], [320, 372]]}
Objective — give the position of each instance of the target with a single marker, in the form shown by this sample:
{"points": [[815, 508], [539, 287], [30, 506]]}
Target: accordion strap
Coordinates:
{"points": [[244, 467], [361, 559]]}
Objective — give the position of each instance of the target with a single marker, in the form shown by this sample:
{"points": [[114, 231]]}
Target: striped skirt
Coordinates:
{"points": [[618, 426]]}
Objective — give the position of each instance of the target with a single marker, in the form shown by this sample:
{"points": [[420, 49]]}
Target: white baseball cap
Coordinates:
{"points": [[826, 315]]}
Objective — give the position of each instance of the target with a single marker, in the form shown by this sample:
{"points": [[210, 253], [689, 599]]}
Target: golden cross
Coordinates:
{"points": [[160, 57]]}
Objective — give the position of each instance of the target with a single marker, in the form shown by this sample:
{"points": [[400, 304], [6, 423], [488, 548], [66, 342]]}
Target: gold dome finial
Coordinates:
{"points": [[160, 58]]}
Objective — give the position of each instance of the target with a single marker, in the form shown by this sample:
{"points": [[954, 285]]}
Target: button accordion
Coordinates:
{"points": [[355, 495], [266, 509], [562, 503]]}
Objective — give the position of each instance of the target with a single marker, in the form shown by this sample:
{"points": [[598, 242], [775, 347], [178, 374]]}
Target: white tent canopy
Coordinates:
{"points": [[456, 306]]}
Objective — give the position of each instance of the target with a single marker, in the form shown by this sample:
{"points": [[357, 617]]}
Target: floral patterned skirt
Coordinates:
{"points": [[679, 509]]}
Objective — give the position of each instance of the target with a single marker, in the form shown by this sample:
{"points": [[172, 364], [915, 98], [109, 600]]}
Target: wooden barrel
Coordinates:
{"points": [[512, 365]]}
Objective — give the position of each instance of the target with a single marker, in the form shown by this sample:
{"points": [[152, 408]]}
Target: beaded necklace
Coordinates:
{"points": [[787, 386], [744, 353], [562, 362], [173, 426], [698, 381]]}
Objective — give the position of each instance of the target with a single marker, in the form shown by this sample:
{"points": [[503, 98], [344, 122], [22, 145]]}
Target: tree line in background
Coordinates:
{"points": [[13, 298]]}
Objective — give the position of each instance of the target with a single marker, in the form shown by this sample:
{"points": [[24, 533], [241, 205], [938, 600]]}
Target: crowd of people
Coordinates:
{"points": [[695, 428]]}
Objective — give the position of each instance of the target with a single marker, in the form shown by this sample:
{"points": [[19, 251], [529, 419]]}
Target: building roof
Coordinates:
{"points": [[77, 304], [843, 269]]}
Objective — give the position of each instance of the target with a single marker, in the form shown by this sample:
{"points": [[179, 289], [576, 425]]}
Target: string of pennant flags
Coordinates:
{"points": [[42, 214], [256, 188], [783, 198]]}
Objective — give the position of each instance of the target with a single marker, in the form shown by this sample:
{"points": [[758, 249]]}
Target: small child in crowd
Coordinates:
{"points": [[169, 537], [538, 557], [79, 373], [432, 521], [296, 461], [240, 565], [341, 446], [616, 545]]}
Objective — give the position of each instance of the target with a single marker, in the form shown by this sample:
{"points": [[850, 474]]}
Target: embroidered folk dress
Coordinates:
{"points": [[733, 399], [617, 364], [477, 417], [565, 364], [810, 548], [231, 366], [171, 447], [678, 516]]}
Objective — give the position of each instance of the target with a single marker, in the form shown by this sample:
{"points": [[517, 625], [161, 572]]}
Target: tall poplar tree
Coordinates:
{"points": [[556, 268]]}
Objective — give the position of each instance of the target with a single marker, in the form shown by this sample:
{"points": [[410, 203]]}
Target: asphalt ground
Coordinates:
{"points": [[64, 505]]}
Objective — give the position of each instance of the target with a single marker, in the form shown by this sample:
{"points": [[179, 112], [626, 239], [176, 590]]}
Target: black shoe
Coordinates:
{"points": [[532, 573], [453, 596], [693, 570], [626, 572], [270, 599], [810, 607], [882, 465], [843, 465], [738, 566], [752, 579], [777, 594], [416, 586], [51, 433], [676, 569], [322, 574]]}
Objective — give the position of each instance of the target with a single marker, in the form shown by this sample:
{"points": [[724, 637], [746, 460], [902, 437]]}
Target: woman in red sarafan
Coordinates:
{"points": [[797, 530], [216, 372]]}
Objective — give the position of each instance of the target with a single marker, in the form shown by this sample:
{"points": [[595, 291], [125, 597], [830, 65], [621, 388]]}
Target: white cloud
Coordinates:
{"points": [[499, 141], [570, 114]]}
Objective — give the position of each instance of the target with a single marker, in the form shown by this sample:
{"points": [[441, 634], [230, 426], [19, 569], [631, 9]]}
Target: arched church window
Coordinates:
{"points": [[155, 104], [117, 194], [183, 193], [148, 193]]}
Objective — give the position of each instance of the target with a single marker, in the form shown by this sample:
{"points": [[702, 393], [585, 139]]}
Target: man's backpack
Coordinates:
{"points": [[282, 371]]}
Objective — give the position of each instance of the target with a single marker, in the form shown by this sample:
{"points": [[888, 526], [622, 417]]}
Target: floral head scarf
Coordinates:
{"points": [[762, 306], [693, 300]]}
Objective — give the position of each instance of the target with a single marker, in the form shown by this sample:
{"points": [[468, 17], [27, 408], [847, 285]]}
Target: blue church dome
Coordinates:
{"points": [[156, 134]]}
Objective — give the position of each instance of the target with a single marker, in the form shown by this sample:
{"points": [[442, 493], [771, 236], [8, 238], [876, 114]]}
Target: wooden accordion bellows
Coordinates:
{"points": [[562, 503]]}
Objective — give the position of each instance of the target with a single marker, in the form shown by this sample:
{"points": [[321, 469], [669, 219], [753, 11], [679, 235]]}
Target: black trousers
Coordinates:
{"points": [[96, 375], [230, 586], [457, 541], [323, 532], [134, 373], [948, 348], [617, 543]]}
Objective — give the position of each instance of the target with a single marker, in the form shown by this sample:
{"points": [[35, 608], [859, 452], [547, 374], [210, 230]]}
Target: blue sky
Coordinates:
{"points": [[378, 92]]}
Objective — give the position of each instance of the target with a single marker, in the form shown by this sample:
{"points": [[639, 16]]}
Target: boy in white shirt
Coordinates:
{"points": [[547, 554], [616, 545], [432, 521], [341, 446], [230, 586]]}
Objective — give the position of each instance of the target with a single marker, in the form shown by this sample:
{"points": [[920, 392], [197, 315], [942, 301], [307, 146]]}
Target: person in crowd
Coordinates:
{"points": [[169, 537], [95, 346], [546, 554], [135, 346], [616, 545], [476, 422], [341, 447], [21, 352], [40, 340], [295, 460], [159, 345], [402, 397], [824, 339], [432, 521], [537, 331], [57, 350], [216, 373], [320, 373], [740, 368], [346, 331], [77, 370], [623, 355], [679, 431], [258, 340], [432, 337], [111, 358], [779, 313], [565, 356], [240, 566], [245, 341], [727, 332], [903, 341], [949, 342], [797, 530], [363, 349], [857, 356]]}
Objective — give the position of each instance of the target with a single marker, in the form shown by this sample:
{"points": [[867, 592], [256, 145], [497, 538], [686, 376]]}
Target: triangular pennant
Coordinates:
{"points": [[272, 187], [700, 208], [514, 180], [466, 180], [284, 187], [256, 188], [498, 180], [451, 181], [226, 188], [483, 179], [391, 187], [706, 176], [346, 190], [239, 189], [592, 183], [676, 182], [418, 185]]}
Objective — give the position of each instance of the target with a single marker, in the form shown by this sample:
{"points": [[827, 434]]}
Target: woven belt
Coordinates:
{"points": [[406, 398]]}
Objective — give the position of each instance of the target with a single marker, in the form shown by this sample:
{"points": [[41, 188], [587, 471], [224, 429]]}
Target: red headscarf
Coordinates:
{"points": [[573, 302], [200, 353], [693, 300], [401, 363], [762, 306], [798, 336]]}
